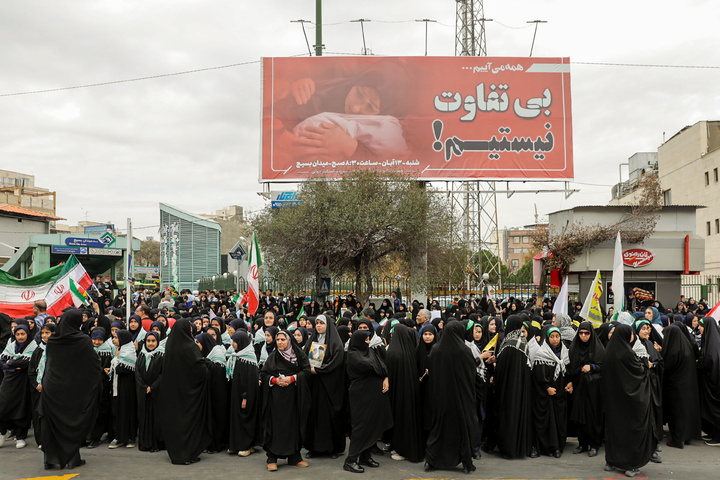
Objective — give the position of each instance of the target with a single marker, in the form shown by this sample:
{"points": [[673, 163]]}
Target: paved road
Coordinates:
{"points": [[695, 462]]}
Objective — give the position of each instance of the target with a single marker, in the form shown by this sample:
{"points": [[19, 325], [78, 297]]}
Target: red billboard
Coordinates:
{"points": [[440, 118]]}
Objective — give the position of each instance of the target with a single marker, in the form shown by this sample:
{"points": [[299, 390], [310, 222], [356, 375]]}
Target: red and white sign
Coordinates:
{"points": [[439, 118], [637, 257]]}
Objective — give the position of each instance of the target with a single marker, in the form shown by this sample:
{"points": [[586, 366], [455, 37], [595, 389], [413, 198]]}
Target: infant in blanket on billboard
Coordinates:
{"points": [[343, 113]]}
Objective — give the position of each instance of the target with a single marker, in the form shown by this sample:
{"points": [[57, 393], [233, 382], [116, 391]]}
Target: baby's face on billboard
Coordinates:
{"points": [[362, 101]]}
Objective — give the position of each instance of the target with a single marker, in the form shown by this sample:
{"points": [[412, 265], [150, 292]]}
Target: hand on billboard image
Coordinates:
{"points": [[340, 115]]}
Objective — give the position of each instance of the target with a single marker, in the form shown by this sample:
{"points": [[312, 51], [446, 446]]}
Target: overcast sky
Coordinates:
{"points": [[192, 140]]}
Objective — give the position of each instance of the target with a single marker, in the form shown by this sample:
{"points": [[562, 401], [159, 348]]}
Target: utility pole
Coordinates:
{"points": [[362, 29], [534, 34], [318, 28], [426, 20]]}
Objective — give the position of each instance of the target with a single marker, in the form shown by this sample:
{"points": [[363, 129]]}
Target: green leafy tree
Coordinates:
{"points": [[356, 221]]}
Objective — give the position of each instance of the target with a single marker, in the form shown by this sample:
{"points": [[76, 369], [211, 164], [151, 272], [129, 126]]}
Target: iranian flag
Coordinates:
{"points": [[69, 289], [18, 296], [255, 262]]}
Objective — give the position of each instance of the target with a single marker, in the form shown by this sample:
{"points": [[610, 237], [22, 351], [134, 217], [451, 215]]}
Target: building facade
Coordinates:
{"points": [[189, 248], [688, 166]]}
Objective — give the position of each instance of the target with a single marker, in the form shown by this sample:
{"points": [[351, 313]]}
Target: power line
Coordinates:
{"points": [[232, 65]]}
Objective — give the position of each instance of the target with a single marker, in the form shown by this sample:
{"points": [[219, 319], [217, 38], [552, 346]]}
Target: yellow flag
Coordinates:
{"points": [[591, 308], [491, 344]]}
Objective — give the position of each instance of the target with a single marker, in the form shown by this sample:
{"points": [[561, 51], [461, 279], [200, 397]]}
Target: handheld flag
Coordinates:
{"points": [[591, 308], [61, 294], [255, 262], [561, 302], [491, 344], [618, 279]]}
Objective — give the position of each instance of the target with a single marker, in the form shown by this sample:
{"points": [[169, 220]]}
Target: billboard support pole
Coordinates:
{"points": [[318, 28]]}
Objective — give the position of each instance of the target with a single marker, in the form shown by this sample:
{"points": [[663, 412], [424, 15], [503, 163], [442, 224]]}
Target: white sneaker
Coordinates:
{"points": [[3, 438], [20, 444], [397, 456]]}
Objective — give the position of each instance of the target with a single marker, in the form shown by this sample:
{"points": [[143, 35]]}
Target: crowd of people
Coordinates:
{"points": [[195, 373]]}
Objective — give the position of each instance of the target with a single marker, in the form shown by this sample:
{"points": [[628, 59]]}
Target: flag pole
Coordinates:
{"points": [[128, 271]]}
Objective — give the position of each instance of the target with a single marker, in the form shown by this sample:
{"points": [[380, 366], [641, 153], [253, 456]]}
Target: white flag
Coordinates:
{"points": [[561, 302], [618, 279]]}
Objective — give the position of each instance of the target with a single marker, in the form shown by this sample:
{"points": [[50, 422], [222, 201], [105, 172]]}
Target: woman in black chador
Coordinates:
{"points": [[148, 374], [405, 401], [286, 401], [709, 380], [70, 391], [550, 394], [629, 431], [586, 358], [325, 429], [124, 399], [242, 370], [681, 403], [214, 353], [513, 388], [369, 405], [452, 391], [184, 398]]}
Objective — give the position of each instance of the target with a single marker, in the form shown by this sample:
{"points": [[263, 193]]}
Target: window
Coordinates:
{"points": [[515, 263], [708, 229], [667, 197], [715, 173], [707, 178], [717, 225], [526, 239], [516, 239]]}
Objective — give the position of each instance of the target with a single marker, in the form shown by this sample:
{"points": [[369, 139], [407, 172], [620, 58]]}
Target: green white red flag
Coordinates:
{"points": [[69, 288], [255, 261], [18, 296]]}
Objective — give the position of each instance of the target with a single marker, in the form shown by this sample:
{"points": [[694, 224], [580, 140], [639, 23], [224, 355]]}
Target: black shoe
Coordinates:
{"points": [[369, 462], [533, 453], [353, 468], [557, 454], [334, 455], [94, 444], [655, 458], [592, 452], [476, 454], [386, 448], [309, 454], [608, 467], [70, 466], [580, 449], [376, 451], [428, 468], [468, 468], [49, 466]]}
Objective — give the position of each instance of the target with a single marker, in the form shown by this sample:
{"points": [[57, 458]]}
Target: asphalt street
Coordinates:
{"points": [[696, 462]]}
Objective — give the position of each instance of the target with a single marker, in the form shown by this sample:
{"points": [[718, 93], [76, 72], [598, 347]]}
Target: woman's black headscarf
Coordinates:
{"points": [[583, 353], [184, 396], [160, 325], [71, 389]]}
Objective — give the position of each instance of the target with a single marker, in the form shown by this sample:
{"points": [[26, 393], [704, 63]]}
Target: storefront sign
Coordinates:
{"points": [[637, 257]]}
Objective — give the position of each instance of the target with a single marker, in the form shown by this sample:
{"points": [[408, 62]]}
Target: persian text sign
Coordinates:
{"points": [[637, 257], [440, 118]]}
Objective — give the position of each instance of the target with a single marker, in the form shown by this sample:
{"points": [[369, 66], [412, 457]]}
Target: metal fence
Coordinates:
{"points": [[382, 287], [701, 286]]}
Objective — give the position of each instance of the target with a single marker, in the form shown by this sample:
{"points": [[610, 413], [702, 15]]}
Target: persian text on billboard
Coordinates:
{"points": [[435, 117]]}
